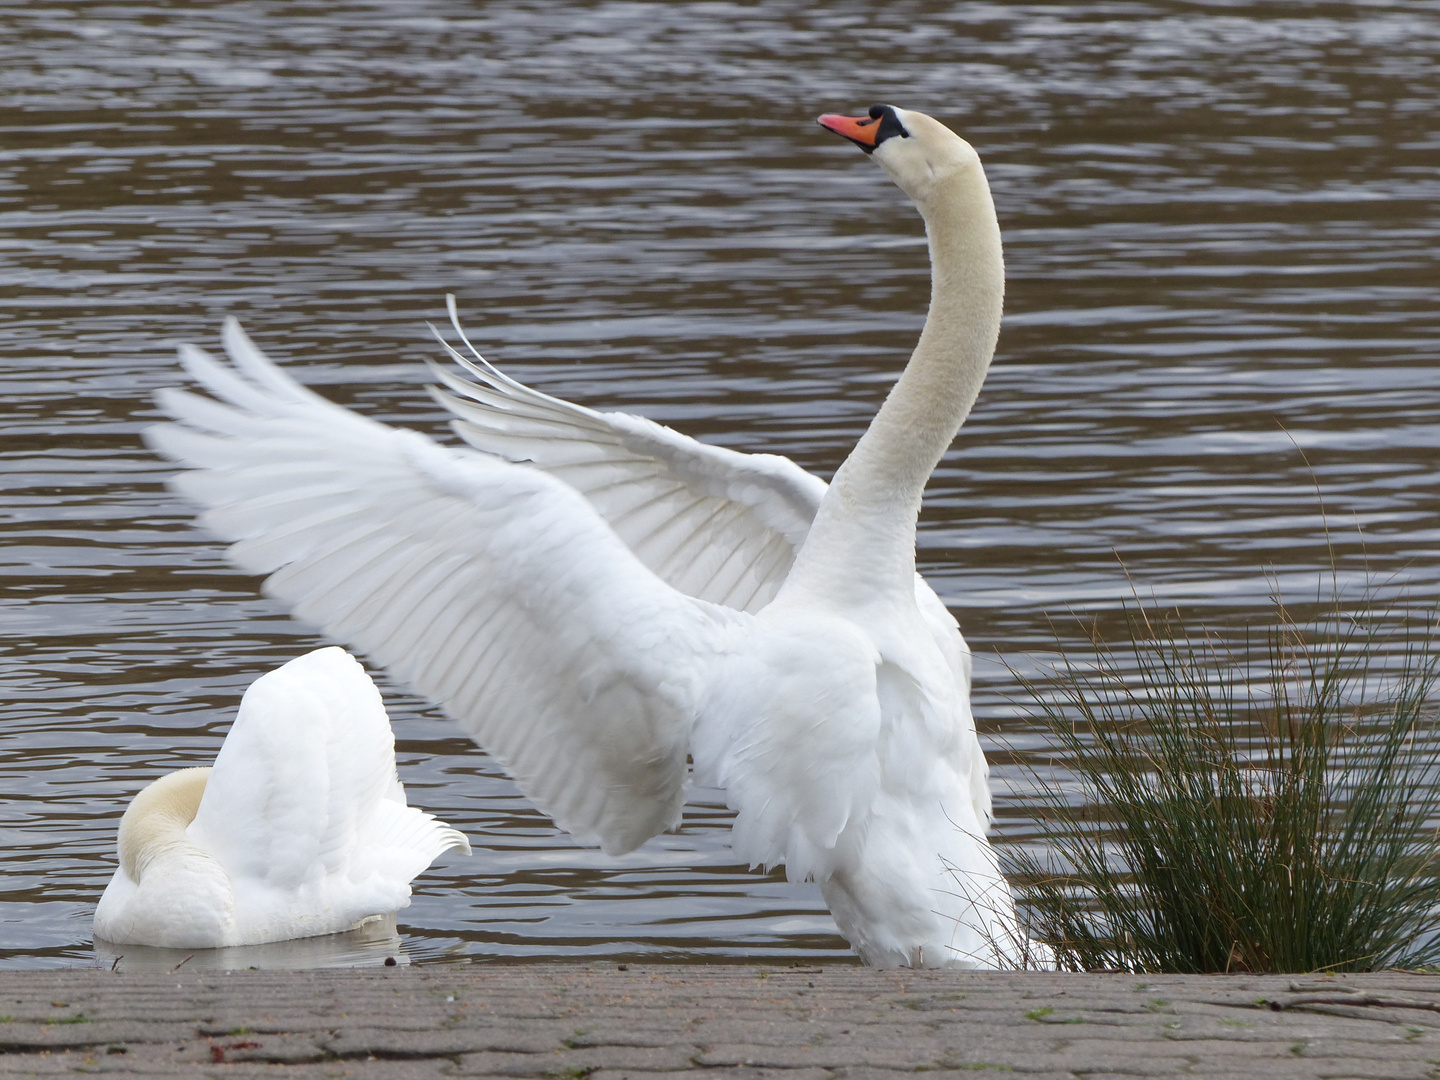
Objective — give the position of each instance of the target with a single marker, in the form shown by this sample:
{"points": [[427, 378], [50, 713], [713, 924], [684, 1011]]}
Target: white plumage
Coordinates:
{"points": [[300, 827], [594, 596]]}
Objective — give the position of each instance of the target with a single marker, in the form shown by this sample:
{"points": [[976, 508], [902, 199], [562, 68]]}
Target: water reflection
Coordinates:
{"points": [[1220, 233], [377, 943]]}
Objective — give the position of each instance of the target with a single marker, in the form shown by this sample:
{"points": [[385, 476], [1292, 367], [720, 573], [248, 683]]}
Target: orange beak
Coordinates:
{"points": [[861, 130]]}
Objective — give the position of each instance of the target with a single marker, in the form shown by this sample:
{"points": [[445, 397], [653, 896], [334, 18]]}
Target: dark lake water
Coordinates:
{"points": [[1222, 228]]}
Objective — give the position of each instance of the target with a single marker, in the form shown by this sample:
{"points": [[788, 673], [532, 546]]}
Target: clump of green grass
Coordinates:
{"points": [[1271, 810]]}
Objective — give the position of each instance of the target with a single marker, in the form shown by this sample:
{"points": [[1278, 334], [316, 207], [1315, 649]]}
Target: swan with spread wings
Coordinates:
{"points": [[595, 597]]}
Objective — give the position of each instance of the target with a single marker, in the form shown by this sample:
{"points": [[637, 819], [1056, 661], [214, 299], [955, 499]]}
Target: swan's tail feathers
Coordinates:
{"points": [[409, 840]]}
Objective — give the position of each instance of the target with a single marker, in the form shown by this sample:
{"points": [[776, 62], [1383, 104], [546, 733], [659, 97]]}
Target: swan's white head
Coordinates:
{"points": [[916, 150]]}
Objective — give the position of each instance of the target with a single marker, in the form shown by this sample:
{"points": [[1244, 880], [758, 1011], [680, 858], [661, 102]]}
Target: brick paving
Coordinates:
{"points": [[727, 1022]]}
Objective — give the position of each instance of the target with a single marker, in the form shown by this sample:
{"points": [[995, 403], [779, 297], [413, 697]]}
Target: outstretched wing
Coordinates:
{"points": [[493, 589], [714, 523]]}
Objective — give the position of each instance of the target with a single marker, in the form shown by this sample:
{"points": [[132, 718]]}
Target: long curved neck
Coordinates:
{"points": [[154, 824], [863, 540]]}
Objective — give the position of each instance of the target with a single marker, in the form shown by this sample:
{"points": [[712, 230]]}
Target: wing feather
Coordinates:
{"points": [[672, 499]]}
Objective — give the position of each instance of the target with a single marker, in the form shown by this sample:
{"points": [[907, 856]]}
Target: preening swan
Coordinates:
{"points": [[594, 596], [299, 828]]}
